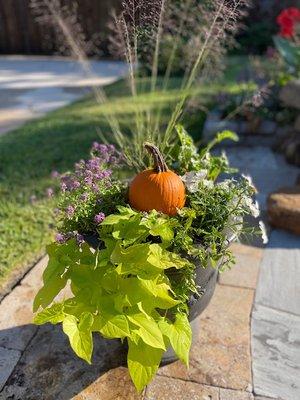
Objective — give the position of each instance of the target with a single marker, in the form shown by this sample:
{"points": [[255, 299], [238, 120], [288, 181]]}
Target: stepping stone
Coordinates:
{"points": [[163, 388], [284, 209], [245, 272], [279, 280], [276, 353], [221, 355], [8, 361]]}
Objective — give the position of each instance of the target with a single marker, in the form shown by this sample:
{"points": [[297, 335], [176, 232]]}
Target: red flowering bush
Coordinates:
{"points": [[287, 20], [287, 41]]}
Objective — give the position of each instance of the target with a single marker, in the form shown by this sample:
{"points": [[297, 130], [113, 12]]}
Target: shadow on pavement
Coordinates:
{"points": [[49, 370]]}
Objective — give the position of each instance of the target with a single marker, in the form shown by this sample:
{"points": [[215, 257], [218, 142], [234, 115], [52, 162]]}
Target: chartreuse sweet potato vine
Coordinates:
{"points": [[121, 291]]}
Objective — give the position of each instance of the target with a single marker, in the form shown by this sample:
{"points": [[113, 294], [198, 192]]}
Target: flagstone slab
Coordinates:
{"points": [[49, 370], [163, 388], [113, 385], [221, 354], [226, 394], [276, 353], [8, 361], [16, 329], [245, 272], [279, 280]]}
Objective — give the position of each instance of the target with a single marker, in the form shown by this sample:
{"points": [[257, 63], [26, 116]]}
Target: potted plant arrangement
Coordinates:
{"points": [[141, 255], [140, 240]]}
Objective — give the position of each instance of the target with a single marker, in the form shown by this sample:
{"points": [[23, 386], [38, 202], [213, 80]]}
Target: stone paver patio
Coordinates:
{"points": [[248, 347]]}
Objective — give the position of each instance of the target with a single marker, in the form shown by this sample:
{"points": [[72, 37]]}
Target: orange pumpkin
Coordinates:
{"points": [[157, 189]]}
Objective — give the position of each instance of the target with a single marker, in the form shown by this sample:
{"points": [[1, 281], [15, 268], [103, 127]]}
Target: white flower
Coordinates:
{"points": [[249, 180], [226, 184], [254, 208], [207, 183], [235, 201], [233, 227], [192, 180], [264, 234]]}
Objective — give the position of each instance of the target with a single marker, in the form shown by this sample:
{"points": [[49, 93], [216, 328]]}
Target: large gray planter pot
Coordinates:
{"points": [[206, 280]]}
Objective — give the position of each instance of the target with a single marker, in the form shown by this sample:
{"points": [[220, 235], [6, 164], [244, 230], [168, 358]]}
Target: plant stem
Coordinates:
{"points": [[159, 162]]}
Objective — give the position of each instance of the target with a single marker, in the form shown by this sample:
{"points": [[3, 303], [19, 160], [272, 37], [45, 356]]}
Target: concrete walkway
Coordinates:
{"points": [[32, 86], [248, 345]]}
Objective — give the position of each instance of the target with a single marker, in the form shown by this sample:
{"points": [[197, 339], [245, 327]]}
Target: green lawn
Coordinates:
{"points": [[55, 142]]}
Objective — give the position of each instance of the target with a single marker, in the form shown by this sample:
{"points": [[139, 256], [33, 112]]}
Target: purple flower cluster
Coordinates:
{"points": [[62, 238], [107, 153], [70, 210], [99, 218], [69, 182], [90, 178], [92, 172], [89, 173]]}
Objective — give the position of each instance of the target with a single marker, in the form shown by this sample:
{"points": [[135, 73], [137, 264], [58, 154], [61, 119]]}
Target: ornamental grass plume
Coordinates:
{"points": [[71, 40], [197, 34], [208, 29]]}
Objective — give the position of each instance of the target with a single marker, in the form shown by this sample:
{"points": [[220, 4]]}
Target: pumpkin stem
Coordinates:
{"points": [[159, 162]]}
